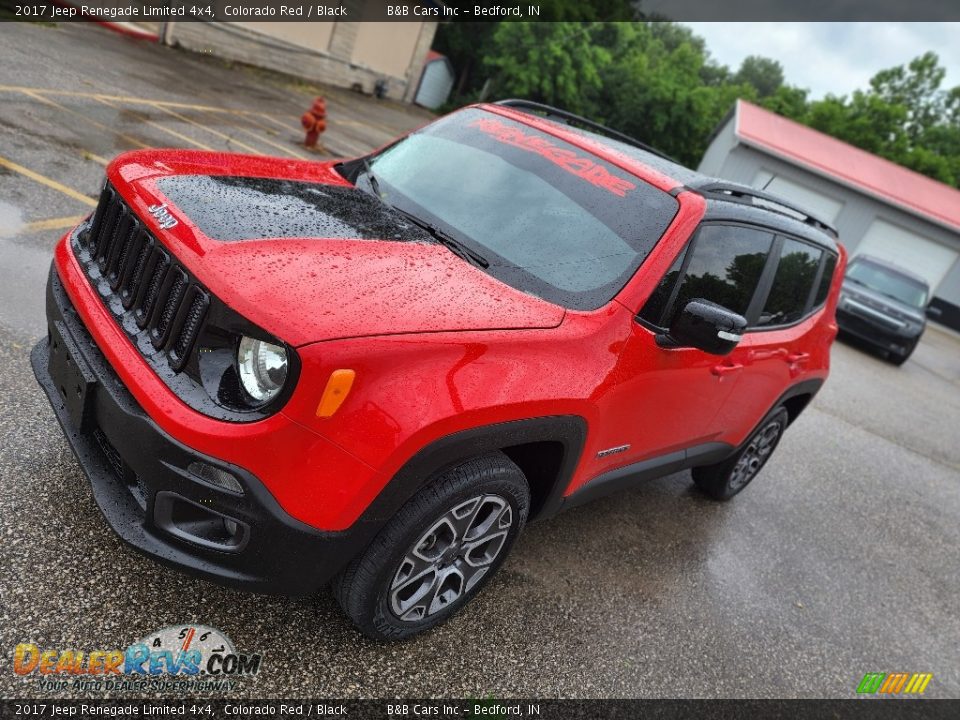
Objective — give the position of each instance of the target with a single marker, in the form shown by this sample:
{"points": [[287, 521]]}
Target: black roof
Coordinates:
{"points": [[721, 209]]}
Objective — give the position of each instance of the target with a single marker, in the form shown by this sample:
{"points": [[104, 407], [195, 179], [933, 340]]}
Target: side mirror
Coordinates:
{"points": [[705, 326], [934, 312]]}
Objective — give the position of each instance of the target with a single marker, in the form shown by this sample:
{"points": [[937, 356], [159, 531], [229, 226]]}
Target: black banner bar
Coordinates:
{"points": [[873, 708], [475, 10]]}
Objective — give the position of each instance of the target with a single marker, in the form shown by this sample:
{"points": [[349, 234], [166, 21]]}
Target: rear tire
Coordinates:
{"points": [[437, 552], [725, 479]]}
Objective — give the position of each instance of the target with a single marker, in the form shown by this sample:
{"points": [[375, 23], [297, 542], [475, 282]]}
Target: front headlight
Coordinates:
{"points": [[262, 367]]}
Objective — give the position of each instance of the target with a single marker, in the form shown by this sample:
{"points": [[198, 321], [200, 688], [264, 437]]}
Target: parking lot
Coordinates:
{"points": [[841, 559]]}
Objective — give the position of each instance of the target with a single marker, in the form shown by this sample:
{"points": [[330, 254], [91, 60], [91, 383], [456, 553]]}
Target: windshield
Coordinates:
{"points": [[550, 218], [888, 281]]}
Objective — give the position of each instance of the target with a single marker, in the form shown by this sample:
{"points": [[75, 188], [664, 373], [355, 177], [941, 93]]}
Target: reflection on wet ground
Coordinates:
{"points": [[11, 219]]}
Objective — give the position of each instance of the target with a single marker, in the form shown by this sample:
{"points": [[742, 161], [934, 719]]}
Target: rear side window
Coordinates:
{"points": [[726, 264], [792, 284], [723, 266]]}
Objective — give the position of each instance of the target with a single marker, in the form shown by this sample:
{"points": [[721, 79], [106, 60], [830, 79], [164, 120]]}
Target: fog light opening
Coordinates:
{"points": [[198, 524]]}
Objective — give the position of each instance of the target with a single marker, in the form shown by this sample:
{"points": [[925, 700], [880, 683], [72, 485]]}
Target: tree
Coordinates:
{"points": [[657, 82], [904, 116], [916, 88], [467, 44], [764, 74], [788, 101], [555, 63]]}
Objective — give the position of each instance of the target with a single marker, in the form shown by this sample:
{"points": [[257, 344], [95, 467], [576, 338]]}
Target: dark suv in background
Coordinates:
{"points": [[883, 305]]}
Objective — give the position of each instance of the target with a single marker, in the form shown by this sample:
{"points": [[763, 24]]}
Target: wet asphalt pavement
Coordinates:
{"points": [[841, 559]]}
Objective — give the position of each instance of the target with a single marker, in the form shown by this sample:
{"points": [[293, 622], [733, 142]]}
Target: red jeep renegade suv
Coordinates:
{"points": [[278, 374]]}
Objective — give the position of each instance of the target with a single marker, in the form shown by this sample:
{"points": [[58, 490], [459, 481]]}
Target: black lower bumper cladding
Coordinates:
{"points": [[160, 496]]}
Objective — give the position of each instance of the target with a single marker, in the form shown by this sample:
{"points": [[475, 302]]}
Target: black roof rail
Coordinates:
{"points": [[735, 192], [569, 117]]}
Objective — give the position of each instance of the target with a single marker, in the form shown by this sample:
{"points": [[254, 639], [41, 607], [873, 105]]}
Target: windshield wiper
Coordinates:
{"points": [[448, 241], [371, 178]]}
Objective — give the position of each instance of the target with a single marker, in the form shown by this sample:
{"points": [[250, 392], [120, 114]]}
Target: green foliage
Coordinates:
{"points": [[764, 74], [645, 79], [787, 100], [904, 116], [558, 63], [657, 82]]}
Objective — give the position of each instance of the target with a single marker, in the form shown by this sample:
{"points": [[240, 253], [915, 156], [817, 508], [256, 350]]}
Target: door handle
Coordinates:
{"points": [[797, 357], [767, 354], [721, 370]]}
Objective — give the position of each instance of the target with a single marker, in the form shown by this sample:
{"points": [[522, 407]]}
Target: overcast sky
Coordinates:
{"points": [[833, 57]]}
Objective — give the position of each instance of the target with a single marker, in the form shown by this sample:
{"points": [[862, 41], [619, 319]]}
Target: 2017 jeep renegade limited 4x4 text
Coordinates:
{"points": [[278, 374]]}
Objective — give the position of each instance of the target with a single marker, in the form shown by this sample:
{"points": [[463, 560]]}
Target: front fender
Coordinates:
{"points": [[410, 392]]}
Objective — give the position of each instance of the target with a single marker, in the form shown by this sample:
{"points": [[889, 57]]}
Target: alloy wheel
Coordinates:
{"points": [[450, 557], [755, 454]]}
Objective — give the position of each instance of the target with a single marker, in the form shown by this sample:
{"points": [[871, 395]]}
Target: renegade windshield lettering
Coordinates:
{"points": [[567, 159]]}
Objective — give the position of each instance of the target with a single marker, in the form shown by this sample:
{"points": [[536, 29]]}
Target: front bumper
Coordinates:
{"points": [[143, 484], [875, 332]]}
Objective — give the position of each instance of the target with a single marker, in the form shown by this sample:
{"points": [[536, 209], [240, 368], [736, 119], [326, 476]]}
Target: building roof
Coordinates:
{"points": [[847, 165]]}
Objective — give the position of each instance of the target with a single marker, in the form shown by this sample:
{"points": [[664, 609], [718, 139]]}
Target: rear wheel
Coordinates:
{"points": [[438, 551], [725, 479]]}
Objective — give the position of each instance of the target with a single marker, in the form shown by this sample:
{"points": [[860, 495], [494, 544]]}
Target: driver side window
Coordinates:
{"points": [[722, 264]]}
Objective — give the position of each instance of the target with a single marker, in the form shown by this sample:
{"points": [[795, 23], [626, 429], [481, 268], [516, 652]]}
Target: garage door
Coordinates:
{"points": [[824, 207], [925, 257]]}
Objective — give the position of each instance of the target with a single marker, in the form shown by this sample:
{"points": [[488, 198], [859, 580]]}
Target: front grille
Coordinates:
{"points": [[868, 313], [110, 453], [140, 280], [121, 471], [867, 330]]}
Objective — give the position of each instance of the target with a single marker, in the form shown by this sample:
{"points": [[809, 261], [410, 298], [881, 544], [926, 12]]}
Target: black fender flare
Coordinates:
{"points": [[805, 387], [451, 450]]}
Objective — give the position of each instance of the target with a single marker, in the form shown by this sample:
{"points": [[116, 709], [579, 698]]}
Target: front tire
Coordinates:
{"points": [[438, 552], [725, 479]]}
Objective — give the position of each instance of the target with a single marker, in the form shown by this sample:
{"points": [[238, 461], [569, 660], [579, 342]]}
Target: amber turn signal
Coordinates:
{"points": [[338, 387]]}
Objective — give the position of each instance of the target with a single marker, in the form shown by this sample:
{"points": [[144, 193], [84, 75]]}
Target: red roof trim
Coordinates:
{"points": [[848, 165]]}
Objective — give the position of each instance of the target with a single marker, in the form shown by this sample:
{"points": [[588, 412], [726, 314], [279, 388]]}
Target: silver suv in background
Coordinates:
{"points": [[883, 305]]}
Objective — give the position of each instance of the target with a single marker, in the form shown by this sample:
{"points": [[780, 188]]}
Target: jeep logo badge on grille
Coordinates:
{"points": [[163, 216]]}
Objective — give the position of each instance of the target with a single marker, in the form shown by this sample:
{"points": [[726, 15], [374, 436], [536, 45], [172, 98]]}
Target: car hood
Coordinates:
{"points": [[299, 251], [881, 303]]}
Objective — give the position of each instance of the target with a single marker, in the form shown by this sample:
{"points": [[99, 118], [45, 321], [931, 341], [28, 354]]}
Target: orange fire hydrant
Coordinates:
{"points": [[314, 121]]}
